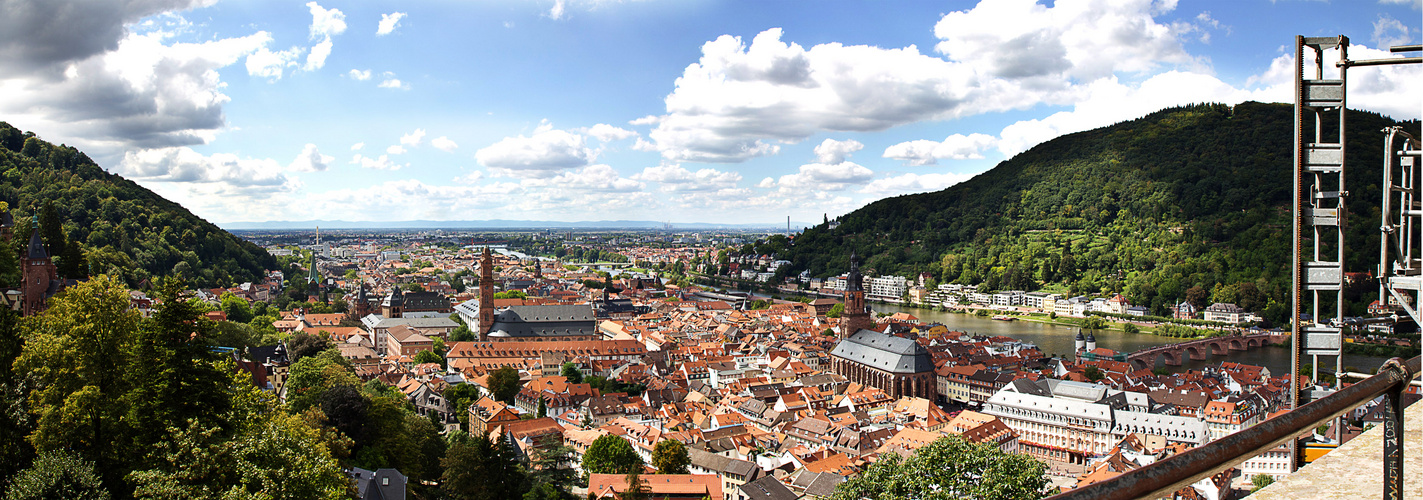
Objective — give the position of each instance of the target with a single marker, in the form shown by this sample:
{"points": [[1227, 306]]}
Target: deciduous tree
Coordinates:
{"points": [[610, 454], [669, 456], [949, 468]]}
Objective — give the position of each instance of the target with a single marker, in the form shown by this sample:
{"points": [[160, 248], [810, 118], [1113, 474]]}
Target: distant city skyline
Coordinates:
{"points": [[582, 110]]}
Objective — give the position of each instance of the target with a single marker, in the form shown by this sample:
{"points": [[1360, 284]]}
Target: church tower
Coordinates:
{"points": [[38, 272], [486, 295], [856, 316]]}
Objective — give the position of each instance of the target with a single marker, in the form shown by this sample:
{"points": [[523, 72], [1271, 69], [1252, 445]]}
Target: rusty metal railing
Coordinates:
{"points": [[1163, 478]]}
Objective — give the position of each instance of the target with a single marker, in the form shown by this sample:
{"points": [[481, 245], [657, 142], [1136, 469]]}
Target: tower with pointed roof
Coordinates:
{"points": [[39, 273], [486, 294], [856, 316]]}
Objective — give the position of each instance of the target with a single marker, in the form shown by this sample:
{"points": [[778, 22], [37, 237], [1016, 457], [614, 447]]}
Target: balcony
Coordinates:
{"points": [[1355, 470]]}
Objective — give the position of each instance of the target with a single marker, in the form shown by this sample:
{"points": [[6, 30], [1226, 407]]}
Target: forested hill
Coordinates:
{"points": [[94, 220], [1194, 196]]}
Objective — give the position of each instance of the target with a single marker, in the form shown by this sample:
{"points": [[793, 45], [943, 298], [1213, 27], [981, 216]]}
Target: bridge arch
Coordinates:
{"points": [[1197, 352], [1237, 345], [1218, 348], [1253, 343]]}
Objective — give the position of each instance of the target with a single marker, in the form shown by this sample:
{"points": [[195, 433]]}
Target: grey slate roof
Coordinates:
{"points": [[544, 321], [767, 488], [884, 352]]}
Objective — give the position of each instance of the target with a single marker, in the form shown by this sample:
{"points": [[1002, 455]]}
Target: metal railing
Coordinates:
{"points": [[1164, 478]]}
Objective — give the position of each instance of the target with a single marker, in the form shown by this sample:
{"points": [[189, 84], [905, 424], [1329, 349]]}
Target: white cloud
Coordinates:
{"points": [[542, 154], [358, 146], [1417, 4], [674, 178], [822, 177], [396, 150], [388, 23], [831, 151], [591, 178], [325, 23], [391, 82], [608, 133], [271, 65], [142, 94], [182, 164], [311, 160], [558, 9], [316, 59], [470, 178], [359, 75], [954, 147], [444, 144], [380, 163], [1389, 32], [741, 100], [413, 139], [912, 183]]}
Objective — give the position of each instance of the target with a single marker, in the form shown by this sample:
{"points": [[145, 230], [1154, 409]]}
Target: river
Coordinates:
{"points": [[1054, 339]]}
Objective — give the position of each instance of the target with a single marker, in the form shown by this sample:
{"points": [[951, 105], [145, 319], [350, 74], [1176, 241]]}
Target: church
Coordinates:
{"points": [[896, 365]]}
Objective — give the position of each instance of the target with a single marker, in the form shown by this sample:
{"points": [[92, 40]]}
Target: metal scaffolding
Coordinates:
{"points": [[1320, 213]]}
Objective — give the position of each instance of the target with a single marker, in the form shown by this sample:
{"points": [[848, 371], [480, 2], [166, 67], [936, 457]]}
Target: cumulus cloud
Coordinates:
{"points": [[954, 147], [443, 143], [325, 23], [396, 150], [265, 63], [382, 162], [45, 35], [740, 100], [316, 59], [359, 75], [674, 178], [143, 94], [388, 23], [1389, 32], [912, 183], [540, 155], [358, 146], [182, 164], [310, 160], [389, 81], [592, 178], [831, 151], [819, 176], [413, 139], [608, 133]]}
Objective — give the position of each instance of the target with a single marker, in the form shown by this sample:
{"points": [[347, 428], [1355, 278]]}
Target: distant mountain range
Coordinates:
{"points": [[500, 224]]}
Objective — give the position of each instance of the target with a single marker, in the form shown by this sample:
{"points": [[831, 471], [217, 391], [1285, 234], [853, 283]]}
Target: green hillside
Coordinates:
{"points": [[94, 220], [1190, 197]]}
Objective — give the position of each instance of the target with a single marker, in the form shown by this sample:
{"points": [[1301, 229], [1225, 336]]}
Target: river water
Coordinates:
{"points": [[1058, 340]]}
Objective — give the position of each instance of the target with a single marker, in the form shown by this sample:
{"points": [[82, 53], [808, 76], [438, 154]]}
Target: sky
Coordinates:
{"points": [[654, 110]]}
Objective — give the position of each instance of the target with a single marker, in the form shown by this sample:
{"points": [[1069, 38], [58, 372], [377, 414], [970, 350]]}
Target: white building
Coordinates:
{"points": [[1075, 421], [886, 288]]}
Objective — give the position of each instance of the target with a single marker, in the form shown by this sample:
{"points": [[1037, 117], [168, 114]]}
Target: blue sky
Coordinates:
{"points": [[669, 110]]}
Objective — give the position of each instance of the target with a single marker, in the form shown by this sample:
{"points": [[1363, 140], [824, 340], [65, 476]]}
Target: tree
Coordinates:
{"points": [[459, 397], [176, 377], [428, 357], [1092, 373], [835, 311], [669, 456], [504, 384], [1261, 481], [303, 344], [543, 408], [1197, 296], [478, 469], [1130, 328], [572, 373], [462, 333], [310, 378], [635, 489], [949, 468], [55, 475], [610, 454], [76, 354], [269, 454], [236, 308], [551, 463]]}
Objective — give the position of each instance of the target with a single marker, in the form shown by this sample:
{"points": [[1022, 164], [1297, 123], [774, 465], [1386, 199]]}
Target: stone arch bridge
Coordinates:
{"points": [[1202, 349]]}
